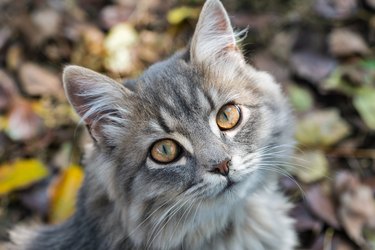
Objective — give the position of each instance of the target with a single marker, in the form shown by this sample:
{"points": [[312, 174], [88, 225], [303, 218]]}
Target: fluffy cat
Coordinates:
{"points": [[185, 157]]}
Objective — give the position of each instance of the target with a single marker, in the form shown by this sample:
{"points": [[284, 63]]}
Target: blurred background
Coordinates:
{"points": [[321, 51]]}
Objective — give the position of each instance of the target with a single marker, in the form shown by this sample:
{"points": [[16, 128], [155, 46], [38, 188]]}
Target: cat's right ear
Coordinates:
{"points": [[98, 99], [213, 37]]}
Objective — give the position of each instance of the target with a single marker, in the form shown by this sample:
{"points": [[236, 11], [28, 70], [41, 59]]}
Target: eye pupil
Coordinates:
{"points": [[225, 115], [165, 151], [228, 116]]}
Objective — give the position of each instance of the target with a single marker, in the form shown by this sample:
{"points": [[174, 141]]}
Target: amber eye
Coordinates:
{"points": [[228, 116], [165, 151]]}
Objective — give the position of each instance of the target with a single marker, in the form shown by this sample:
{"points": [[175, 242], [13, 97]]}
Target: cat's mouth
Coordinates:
{"points": [[229, 185]]}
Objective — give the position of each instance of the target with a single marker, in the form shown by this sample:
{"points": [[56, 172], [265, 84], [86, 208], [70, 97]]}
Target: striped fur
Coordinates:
{"points": [[128, 201]]}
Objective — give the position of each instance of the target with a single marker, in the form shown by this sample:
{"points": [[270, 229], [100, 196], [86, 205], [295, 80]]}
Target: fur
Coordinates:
{"points": [[129, 201]]}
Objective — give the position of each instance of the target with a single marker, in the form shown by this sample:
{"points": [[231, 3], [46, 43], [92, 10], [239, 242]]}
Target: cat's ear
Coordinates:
{"points": [[96, 98], [214, 36]]}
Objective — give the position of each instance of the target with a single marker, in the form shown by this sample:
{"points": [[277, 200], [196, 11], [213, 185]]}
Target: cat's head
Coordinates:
{"points": [[202, 124]]}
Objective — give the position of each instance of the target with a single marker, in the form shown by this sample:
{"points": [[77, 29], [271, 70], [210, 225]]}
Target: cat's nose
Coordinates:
{"points": [[222, 168]]}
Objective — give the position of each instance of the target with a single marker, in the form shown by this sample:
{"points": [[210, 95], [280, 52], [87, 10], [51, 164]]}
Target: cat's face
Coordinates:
{"points": [[201, 125]]}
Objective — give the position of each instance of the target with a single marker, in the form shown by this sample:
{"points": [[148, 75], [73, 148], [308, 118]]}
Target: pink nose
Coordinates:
{"points": [[222, 168]]}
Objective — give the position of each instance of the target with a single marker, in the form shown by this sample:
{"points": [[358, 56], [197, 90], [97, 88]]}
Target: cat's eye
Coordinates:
{"points": [[228, 116], [165, 151]]}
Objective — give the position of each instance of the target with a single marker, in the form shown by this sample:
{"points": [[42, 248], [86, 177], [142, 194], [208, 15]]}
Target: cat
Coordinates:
{"points": [[187, 156]]}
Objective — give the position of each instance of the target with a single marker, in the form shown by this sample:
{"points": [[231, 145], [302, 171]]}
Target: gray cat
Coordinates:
{"points": [[186, 158]]}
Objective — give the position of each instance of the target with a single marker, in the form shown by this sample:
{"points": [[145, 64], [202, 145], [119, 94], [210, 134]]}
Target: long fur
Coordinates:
{"points": [[129, 201]]}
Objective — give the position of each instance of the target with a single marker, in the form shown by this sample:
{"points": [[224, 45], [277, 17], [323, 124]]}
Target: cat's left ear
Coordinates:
{"points": [[214, 36], [99, 100]]}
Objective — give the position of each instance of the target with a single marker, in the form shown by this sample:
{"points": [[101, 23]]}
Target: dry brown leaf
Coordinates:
{"points": [[356, 206], [47, 21], [38, 81], [8, 91], [22, 122], [312, 66], [89, 50], [321, 204], [336, 9], [343, 42]]}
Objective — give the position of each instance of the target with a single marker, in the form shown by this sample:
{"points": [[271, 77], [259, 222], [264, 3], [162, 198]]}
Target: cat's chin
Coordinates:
{"points": [[241, 187]]}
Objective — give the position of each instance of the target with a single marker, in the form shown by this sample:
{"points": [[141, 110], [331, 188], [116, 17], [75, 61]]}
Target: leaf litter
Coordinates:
{"points": [[321, 51]]}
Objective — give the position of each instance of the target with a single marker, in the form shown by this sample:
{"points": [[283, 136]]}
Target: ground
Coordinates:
{"points": [[321, 51]]}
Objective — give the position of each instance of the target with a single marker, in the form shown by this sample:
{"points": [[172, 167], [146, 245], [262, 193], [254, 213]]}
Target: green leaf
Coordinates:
{"points": [[321, 128], [300, 98], [311, 166], [336, 82], [21, 174], [368, 64], [177, 15], [364, 102]]}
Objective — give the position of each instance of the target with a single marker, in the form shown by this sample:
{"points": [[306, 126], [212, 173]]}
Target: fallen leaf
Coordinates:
{"points": [[311, 166], [320, 202], [14, 56], [337, 82], [63, 193], [343, 42], [8, 91], [38, 81], [336, 9], [284, 40], [21, 174], [47, 22], [368, 64], [5, 34], [370, 237], [340, 242], [301, 98], [371, 3], [54, 113], [35, 198], [113, 14], [22, 122], [364, 102], [356, 205], [119, 45], [305, 221], [266, 62], [177, 15], [321, 128], [312, 66], [89, 49]]}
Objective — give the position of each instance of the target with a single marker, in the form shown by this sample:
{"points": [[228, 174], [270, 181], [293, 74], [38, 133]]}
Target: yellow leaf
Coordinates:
{"points": [[119, 45], [321, 128], [3, 123], [21, 174], [313, 166], [64, 192], [177, 15]]}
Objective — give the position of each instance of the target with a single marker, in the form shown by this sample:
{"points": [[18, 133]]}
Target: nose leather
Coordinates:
{"points": [[222, 168]]}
